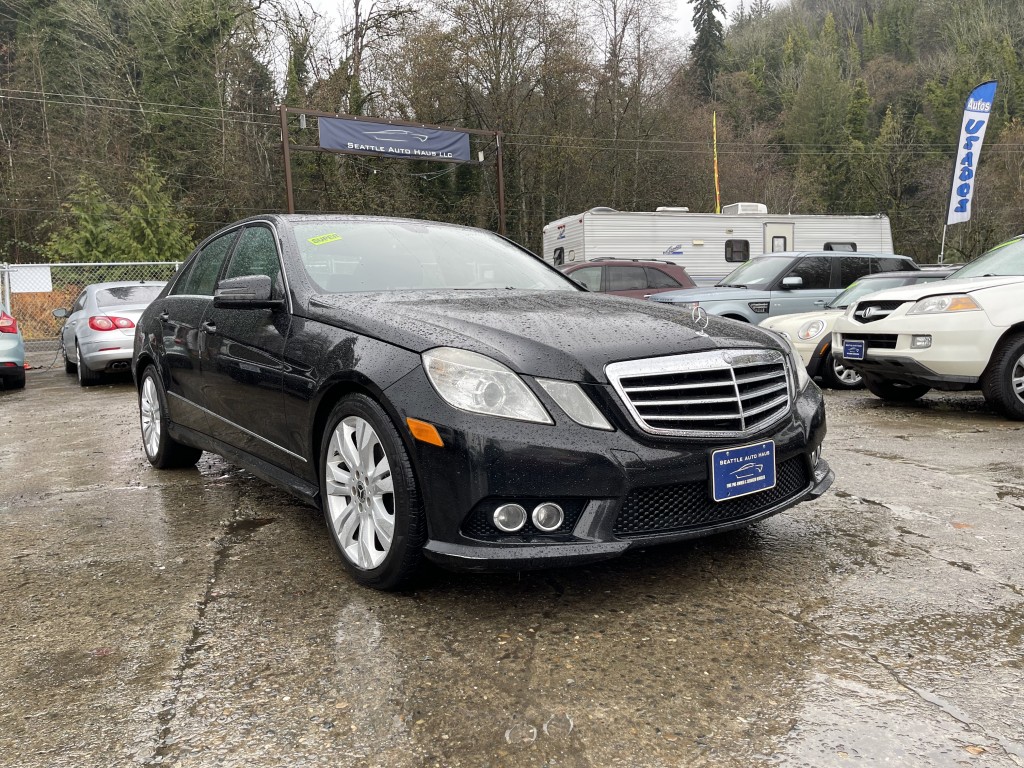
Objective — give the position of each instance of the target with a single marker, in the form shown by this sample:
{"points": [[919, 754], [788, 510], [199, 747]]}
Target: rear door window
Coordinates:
{"points": [[852, 268], [626, 278], [658, 279], [202, 276], [890, 264]]}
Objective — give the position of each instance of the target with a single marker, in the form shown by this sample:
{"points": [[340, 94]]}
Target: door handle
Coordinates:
{"points": [[819, 303], [165, 316], [210, 326]]}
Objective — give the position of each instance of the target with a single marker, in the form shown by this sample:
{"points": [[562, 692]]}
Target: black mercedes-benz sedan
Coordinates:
{"points": [[440, 392]]}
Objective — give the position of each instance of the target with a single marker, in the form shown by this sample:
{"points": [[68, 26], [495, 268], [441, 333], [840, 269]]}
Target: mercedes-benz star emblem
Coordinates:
{"points": [[699, 315]]}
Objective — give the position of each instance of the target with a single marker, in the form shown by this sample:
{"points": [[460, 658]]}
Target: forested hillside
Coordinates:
{"points": [[155, 121]]}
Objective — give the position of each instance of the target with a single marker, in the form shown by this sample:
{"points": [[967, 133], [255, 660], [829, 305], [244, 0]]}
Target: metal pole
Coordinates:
{"points": [[942, 250], [501, 186], [7, 285], [287, 155]]}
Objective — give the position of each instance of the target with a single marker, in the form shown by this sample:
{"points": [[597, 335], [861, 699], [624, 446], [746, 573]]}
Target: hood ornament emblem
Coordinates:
{"points": [[699, 316]]}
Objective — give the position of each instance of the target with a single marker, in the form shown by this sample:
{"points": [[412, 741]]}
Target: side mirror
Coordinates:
{"points": [[246, 292], [580, 283], [60, 313], [791, 282]]}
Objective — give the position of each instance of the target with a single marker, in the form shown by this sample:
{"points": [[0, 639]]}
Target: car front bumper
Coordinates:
{"points": [[620, 489], [961, 346]]}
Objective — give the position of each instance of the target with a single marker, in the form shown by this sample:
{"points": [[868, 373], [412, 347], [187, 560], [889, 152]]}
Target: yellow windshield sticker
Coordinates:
{"points": [[1003, 245], [323, 239]]}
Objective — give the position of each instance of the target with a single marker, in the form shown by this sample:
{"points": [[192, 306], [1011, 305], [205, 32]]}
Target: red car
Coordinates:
{"points": [[629, 277]]}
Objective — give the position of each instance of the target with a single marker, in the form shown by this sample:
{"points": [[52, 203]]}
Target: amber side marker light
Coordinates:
{"points": [[424, 432]]}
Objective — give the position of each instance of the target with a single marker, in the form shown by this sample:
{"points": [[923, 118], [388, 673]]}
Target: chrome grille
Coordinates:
{"points": [[872, 311], [724, 393]]}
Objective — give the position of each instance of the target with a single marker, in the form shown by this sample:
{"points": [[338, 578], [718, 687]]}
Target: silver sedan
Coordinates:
{"points": [[99, 330]]}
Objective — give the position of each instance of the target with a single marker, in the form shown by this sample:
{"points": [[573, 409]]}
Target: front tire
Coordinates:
{"points": [[896, 392], [838, 376], [1003, 381], [161, 449], [69, 367], [369, 495], [86, 375]]}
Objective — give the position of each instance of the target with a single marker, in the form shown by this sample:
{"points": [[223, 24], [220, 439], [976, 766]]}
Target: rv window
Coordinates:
{"points": [[737, 250], [778, 243], [626, 278], [559, 258], [841, 247], [590, 277], [852, 268]]}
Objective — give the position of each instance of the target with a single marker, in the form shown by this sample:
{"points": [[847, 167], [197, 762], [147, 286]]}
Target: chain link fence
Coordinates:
{"points": [[31, 292]]}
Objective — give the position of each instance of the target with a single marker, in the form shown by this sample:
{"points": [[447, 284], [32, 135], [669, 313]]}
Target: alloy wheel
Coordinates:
{"points": [[360, 493], [1017, 378], [149, 410], [847, 376]]}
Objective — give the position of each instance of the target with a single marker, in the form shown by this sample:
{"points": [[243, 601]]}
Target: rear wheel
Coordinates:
{"points": [[86, 375], [17, 381], [1003, 382], [369, 495], [839, 376], [896, 392], [162, 451]]}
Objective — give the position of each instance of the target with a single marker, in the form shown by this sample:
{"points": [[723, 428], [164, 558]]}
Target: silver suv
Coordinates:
{"points": [[785, 283]]}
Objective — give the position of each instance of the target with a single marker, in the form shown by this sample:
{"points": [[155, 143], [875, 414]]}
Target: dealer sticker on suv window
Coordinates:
{"points": [[742, 471]]}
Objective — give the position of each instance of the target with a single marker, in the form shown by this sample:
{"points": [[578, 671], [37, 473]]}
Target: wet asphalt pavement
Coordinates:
{"points": [[202, 618]]}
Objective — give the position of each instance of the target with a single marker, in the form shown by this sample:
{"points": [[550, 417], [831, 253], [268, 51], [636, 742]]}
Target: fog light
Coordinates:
{"points": [[815, 455], [509, 518], [920, 342], [548, 517]]}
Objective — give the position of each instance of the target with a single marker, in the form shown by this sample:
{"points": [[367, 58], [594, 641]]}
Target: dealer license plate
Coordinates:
{"points": [[853, 350], [741, 471]]}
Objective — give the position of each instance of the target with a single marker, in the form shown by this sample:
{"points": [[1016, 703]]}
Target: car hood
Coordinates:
{"points": [[557, 334], [791, 323], [712, 294], [940, 288]]}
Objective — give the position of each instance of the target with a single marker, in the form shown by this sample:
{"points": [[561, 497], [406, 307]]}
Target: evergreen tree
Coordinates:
{"points": [[708, 43]]}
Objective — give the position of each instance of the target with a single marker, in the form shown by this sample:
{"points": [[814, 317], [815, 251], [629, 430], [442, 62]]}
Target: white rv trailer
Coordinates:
{"points": [[708, 245]]}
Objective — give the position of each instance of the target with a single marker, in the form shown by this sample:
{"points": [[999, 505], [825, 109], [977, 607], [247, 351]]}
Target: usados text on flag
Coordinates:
{"points": [[977, 112]]}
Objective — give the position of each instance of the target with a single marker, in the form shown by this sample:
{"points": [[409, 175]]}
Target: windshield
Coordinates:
{"points": [[127, 294], [760, 272], [343, 256], [1005, 259]]}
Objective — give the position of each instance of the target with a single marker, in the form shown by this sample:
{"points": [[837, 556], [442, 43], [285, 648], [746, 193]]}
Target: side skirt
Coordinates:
{"points": [[302, 489]]}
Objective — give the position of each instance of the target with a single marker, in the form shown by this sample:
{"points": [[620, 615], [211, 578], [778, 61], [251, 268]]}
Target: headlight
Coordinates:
{"points": [[954, 302], [811, 329], [573, 400], [475, 383], [802, 378]]}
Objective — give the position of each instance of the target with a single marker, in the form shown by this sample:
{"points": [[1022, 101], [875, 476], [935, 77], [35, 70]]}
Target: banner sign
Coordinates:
{"points": [[366, 138], [972, 133]]}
